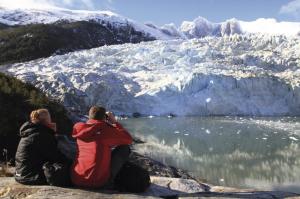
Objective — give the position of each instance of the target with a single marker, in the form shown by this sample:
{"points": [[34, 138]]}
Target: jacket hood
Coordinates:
{"points": [[29, 128], [86, 130]]}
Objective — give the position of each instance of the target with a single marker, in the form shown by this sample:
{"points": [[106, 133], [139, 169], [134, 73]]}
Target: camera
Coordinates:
{"points": [[106, 116]]}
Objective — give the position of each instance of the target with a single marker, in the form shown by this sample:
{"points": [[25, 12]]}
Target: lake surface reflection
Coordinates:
{"points": [[259, 153]]}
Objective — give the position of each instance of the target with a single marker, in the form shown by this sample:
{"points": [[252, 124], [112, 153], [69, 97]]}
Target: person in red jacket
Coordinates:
{"points": [[102, 149]]}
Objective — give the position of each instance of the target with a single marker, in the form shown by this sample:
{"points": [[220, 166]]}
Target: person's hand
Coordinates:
{"points": [[111, 118]]}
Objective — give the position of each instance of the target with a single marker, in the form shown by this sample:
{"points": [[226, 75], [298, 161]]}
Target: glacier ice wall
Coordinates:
{"points": [[231, 75]]}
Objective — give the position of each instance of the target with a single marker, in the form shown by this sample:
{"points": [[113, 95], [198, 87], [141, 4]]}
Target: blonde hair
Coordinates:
{"points": [[40, 115]]}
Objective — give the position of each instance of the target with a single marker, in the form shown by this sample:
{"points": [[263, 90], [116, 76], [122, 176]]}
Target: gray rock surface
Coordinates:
{"points": [[161, 187]]}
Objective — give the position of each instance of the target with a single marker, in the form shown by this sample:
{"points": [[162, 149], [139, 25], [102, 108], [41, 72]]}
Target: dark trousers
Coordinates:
{"points": [[118, 157]]}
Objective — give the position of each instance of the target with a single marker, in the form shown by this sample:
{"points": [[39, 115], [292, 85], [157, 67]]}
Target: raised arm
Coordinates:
{"points": [[115, 135]]}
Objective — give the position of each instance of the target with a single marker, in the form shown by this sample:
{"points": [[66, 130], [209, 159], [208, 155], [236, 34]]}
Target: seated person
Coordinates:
{"points": [[36, 147], [96, 164]]}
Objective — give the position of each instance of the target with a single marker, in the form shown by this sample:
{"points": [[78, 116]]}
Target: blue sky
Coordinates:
{"points": [[166, 11]]}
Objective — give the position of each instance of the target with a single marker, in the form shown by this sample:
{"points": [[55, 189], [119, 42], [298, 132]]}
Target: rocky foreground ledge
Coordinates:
{"points": [[167, 182], [162, 187]]}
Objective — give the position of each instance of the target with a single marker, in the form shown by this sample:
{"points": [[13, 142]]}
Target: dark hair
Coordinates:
{"points": [[97, 113]]}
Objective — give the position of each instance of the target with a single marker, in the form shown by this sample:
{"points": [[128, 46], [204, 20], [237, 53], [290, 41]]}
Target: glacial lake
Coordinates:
{"points": [[262, 153]]}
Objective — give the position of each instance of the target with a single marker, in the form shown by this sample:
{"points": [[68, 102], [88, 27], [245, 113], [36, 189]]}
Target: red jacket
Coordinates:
{"points": [[95, 138]]}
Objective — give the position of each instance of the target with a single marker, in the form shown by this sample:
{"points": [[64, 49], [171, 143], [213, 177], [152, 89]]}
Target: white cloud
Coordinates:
{"points": [[26, 3], [291, 8], [78, 4]]}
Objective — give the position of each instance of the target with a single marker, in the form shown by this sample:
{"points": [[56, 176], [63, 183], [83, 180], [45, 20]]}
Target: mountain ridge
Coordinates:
{"points": [[33, 41], [199, 27]]}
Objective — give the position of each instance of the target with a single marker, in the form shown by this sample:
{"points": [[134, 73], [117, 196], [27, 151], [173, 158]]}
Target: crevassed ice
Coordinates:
{"points": [[231, 75]]}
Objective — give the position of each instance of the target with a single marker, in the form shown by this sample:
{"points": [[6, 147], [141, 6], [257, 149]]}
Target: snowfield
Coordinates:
{"points": [[231, 75]]}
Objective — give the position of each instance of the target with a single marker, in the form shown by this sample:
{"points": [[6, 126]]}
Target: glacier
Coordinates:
{"points": [[254, 74]]}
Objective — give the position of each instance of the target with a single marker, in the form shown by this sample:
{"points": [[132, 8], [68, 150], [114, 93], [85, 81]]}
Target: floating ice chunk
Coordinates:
{"points": [[221, 180], [176, 132], [186, 134], [207, 131], [293, 138], [211, 81], [150, 116], [264, 138], [238, 132], [275, 132], [208, 100]]}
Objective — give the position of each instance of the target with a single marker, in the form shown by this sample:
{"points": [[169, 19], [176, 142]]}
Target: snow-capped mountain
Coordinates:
{"points": [[51, 15], [25, 43], [233, 75], [200, 27]]}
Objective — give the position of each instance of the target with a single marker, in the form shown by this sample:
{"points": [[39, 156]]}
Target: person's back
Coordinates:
{"points": [[93, 166], [36, 147]]}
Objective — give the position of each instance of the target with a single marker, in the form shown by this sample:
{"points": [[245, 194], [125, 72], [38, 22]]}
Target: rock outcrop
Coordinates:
{"points": [[166, 182]]}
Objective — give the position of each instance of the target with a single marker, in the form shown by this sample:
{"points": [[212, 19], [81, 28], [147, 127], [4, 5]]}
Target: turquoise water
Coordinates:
{"points": [[259, 153]]}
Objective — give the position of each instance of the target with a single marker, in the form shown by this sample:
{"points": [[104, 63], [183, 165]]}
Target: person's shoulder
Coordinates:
{"points": [[26, 125], [79, 125], [29, 128]]}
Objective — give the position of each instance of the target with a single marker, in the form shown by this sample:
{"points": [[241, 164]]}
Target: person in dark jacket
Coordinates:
{"points": [[36, 147]]}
